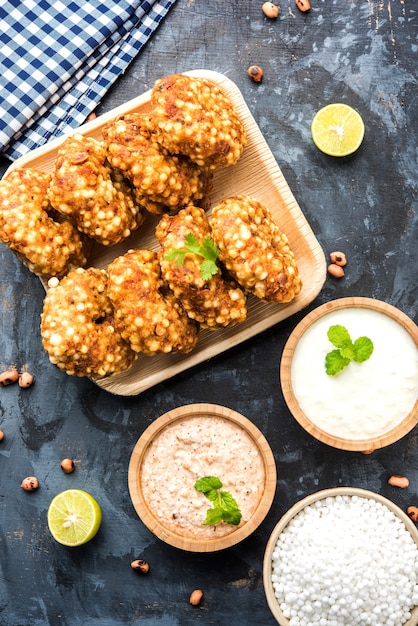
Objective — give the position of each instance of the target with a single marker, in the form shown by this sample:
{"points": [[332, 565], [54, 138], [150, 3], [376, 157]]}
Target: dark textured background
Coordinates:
{"points": [[360, 52]]}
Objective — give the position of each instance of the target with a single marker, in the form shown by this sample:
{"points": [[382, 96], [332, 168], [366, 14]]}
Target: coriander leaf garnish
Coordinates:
{"points": [[347, 351], [207, 250], [224, 508]]}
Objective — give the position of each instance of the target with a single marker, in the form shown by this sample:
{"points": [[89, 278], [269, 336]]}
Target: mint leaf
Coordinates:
{"points": [[207, 250], [363, 349], [335, 362], [224, 508], [339, 336], [213, 516], [209, 486], [348, 351]]}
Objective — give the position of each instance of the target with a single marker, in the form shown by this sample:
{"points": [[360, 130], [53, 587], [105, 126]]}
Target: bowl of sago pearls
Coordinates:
{"points": [[343, 557]]}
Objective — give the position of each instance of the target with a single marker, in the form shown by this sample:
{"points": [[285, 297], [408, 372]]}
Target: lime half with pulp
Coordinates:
{"points": [[74, 517], [337, 129]]}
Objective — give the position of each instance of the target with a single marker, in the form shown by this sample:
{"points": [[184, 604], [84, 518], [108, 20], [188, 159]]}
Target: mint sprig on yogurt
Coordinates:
{"points": [[346, 350]]}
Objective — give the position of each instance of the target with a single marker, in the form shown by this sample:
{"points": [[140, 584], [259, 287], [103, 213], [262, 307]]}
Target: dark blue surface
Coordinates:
{"points": [[361, 53]]}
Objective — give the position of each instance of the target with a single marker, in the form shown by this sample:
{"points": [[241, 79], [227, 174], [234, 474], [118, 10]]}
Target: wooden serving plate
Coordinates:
{"points": [[361, 445], [293, 511], [153, 524], [256, 174]]}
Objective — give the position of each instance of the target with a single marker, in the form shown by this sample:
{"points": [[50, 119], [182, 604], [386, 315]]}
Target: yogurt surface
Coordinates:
{"points": [[192, 448], [364, 400]]}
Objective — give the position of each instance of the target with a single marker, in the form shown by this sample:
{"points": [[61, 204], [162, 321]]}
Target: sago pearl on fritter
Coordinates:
{"points": [[346, 561]]}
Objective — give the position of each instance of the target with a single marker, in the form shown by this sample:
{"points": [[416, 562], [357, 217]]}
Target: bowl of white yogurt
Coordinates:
{"points": [[202, 477], [346, 557], [367, 404]]}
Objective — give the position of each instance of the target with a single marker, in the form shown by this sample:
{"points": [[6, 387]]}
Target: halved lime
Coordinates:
{"points": [[337, 129], [74, 517]]}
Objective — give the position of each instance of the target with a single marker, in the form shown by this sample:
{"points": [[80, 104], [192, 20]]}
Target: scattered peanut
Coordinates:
{"points": [[338, 258], [67, 466], [30, 483], [1, 434], [196, 597], [26, 380], [335, 270], [9, 377], [398, 481], [270, 10], [412, 511], [303, 5], [255, 73], [140, 566]]}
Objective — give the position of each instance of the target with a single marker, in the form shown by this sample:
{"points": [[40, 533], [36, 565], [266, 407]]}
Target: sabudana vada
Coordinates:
{"points": [[214, 303], [161, 181], [192, 116], [47, 244], [254, 250], [78, 329], [84, 187], [147, 314]]}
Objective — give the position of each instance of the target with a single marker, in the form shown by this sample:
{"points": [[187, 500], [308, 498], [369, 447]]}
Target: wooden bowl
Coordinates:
{"points": [[163, 528], [366, 443], [294, 510]]}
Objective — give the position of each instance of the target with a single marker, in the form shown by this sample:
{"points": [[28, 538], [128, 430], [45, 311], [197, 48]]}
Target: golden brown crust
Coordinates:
{"points": [[214, 303], [147, 314], [192, 116], [82, 186], [46, 246], [254, 250], [162, 181], [77, 326]]}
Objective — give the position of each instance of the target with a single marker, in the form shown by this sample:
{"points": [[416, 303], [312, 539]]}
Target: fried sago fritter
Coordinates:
{"points": [[162, 181], [147, 314], [192, 116], [214, 303], [47, 244], [78, 328], [99, 200], [254, 250]]}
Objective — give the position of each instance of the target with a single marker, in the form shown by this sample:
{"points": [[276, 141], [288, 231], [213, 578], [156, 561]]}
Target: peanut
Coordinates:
{"points": [[338, 258], [398, 481], [270, 10], [140, 566], [67, 466], [196, 597], [412, 512], [303, 5], [335, 270], [9, 377], [26, 380], [255, 73], [30, 483]]}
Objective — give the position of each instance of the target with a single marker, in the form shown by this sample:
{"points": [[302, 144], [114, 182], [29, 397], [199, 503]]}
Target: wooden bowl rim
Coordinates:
{"points": [[188, 412], [295, 509], [360, 445]]}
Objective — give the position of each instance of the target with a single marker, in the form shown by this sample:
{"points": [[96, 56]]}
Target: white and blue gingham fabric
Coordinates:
{"points": [[58, 58]]}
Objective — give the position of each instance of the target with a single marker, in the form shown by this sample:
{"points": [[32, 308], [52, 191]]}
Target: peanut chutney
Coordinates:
{"points": [[192, 448]]}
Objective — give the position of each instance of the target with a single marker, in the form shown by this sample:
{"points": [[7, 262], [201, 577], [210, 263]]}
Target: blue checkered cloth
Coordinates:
{"points": [[58, 59]]}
